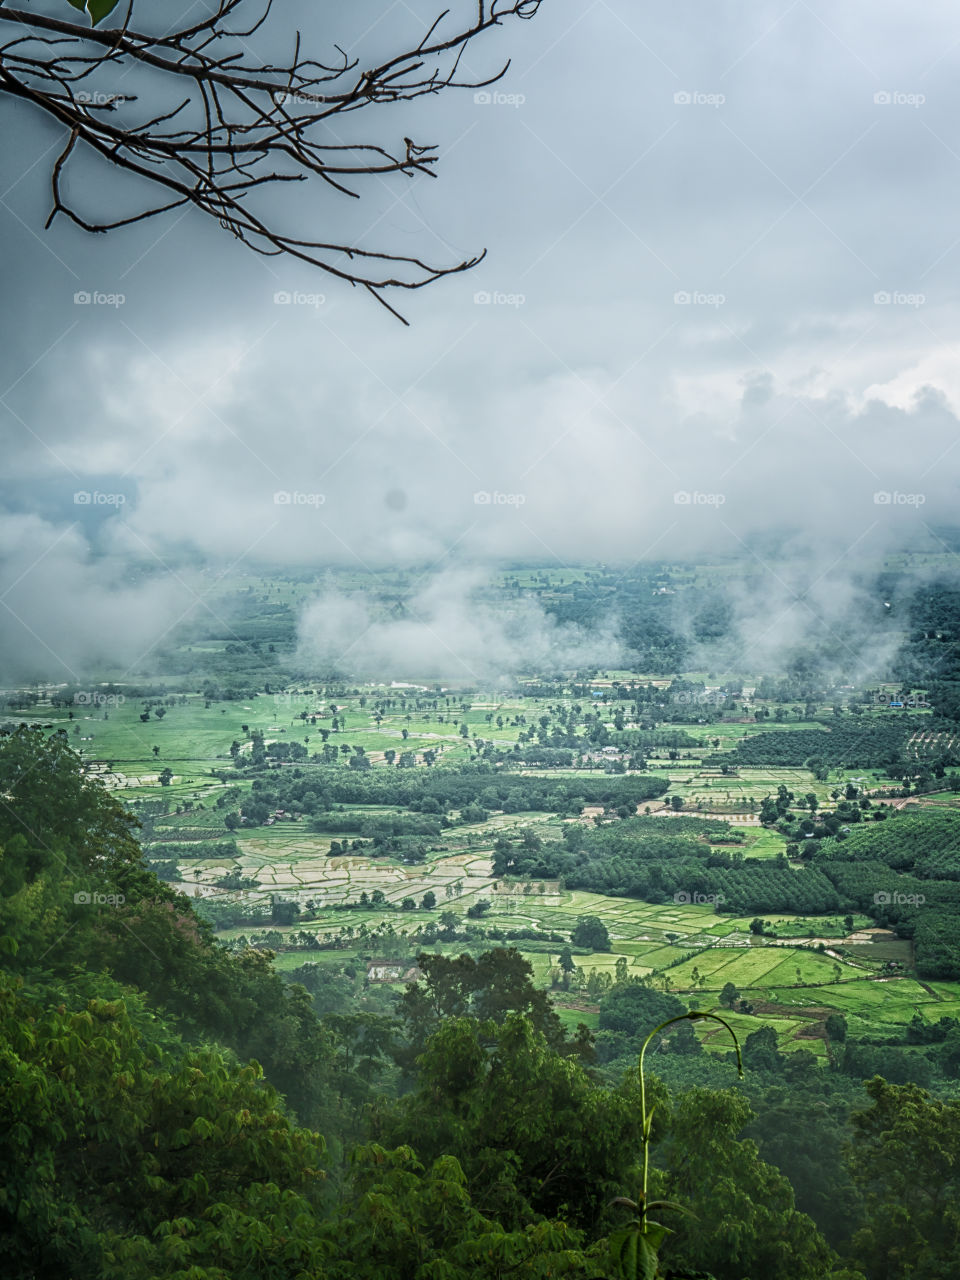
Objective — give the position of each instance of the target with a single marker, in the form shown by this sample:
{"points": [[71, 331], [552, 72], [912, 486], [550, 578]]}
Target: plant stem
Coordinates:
{"points": [[645, 1137]]}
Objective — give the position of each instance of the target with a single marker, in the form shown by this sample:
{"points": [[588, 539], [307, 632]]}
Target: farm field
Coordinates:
{"points": [[685, 949], [196, 733], [181, 754]]}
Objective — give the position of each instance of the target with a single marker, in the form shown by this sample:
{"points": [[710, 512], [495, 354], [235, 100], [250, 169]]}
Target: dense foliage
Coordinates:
{"points": [[316, 789], [850, 745], [672, 858], [162, 1099], [906, 874]]}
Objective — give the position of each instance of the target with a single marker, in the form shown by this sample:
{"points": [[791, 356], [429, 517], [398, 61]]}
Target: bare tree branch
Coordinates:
{"points": [[231, 124]]}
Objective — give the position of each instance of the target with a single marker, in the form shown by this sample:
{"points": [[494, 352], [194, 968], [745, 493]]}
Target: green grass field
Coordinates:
{"points": [[674, 945]]}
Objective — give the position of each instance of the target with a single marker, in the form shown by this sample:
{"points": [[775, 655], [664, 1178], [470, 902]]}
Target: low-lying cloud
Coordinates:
{"points": [[65, 614], [449, 629]]}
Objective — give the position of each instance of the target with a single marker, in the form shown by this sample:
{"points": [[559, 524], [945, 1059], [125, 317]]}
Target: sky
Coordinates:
{"points": [[719, 299]]}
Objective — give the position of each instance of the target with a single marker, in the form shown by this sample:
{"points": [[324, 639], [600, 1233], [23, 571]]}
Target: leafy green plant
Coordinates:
{"points": [[97, 9], [635, 1247]]}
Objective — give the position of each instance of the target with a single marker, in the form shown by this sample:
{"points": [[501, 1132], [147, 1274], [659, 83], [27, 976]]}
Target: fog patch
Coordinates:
{"points": [[451, 627]]}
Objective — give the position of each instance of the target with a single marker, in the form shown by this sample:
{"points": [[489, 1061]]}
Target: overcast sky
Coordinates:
{"points": [[720, 297]]}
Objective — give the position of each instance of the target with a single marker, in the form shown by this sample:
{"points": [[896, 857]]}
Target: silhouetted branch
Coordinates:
{"points": [[240, 124]]}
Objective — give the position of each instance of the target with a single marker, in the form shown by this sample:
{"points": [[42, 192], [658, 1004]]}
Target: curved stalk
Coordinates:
{"points": [[645, 1122]]}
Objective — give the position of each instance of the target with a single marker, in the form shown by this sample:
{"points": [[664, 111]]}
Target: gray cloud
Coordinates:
{"points": [[65, 614], [450, 628], [749, 303]]}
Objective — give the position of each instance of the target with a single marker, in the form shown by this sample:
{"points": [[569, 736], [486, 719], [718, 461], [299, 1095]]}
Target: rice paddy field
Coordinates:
{"points": [[812, 967], [793, 981]]}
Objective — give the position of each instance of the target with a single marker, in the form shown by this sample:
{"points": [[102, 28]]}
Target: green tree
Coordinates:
{"points": [[905, 1161], [729, 995], [746, 1220], [684, 1040], [497, 983], [803, 1131], [769, 813], [533, 1133], [760, 1051], [64, 837], [590, 931], [836, 1027], [208, 1158], [405, 1219], [634, 1009]]}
